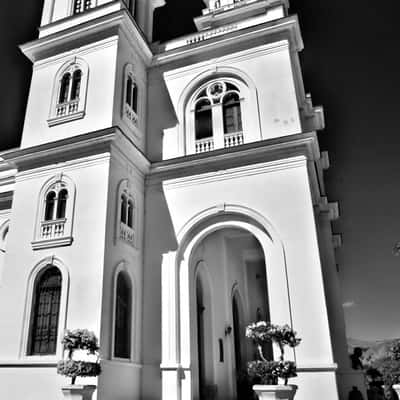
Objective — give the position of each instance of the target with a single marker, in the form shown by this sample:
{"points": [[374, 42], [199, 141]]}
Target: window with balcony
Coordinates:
{"points": [[130, 110], [80, 6], [55, 214], [126, 216], [69, 93], [217, 116]]}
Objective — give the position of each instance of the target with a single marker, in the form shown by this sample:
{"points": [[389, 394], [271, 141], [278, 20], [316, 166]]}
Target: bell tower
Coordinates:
{"points": [[87, 52]]}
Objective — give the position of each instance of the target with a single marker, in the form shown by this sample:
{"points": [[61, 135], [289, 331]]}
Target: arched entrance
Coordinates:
{"points": [[234, 261], [180, 374]]}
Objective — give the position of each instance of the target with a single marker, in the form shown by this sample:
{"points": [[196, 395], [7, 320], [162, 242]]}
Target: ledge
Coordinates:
{"points": [[65, 118], [27, 364], [48, 243], [303, 144]]}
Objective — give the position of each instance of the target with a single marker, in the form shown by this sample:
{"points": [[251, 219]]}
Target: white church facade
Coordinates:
{"points": [[164, 196]]}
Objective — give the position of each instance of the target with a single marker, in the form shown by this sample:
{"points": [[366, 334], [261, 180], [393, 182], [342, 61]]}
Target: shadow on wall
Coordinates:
{"points": [[161, 115], [160, 239]]}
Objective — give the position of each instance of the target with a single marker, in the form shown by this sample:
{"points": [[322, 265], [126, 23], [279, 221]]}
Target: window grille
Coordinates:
{"points": [[122, 332], [45, 308]]}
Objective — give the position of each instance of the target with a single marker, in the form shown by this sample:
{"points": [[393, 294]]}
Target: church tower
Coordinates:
{"points": [[164, 196]]}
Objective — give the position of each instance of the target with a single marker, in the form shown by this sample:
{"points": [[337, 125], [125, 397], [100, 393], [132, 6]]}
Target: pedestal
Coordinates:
{"points": [[78, 392], [274, 392]]}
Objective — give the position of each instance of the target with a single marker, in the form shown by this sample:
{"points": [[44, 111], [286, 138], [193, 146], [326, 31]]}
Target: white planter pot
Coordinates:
{"points": [[272, 392], [396, 388], [78, 392]]}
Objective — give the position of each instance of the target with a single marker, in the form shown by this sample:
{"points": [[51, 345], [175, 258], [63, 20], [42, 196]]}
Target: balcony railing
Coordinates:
{"points": [[126, 233], [203, 145], [52, 229], [233, 139], [67, 108], [130, 114]]}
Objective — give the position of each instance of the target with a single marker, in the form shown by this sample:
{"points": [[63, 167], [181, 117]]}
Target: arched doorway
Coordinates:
{"points": [[179, 338], [234, 262]]}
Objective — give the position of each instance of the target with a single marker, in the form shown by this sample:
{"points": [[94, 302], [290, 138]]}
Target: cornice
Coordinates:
{"points": [[329, 210], [76, 147], [237, 172], [284, 28], [89, 31], [304, 144]]}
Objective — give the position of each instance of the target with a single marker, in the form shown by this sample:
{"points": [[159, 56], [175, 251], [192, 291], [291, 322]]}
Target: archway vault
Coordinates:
{"points": [[176, 363]]}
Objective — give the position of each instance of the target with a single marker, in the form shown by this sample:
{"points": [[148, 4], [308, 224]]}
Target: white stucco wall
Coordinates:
{"points": [[280, 192], [83, 261], [101, 60], [128, 53], [269, 108]]}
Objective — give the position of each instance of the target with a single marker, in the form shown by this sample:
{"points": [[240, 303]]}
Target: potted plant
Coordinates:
{"points": [[79, 343], [389, 367], [265, 374]]}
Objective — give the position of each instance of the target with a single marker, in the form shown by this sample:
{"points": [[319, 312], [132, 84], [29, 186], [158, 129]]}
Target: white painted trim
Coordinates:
{"points": [[30, 285], [176, 330], [231, 173], [126, 186], [40, 243], [67, 118], [58, 168], [83, 66]]}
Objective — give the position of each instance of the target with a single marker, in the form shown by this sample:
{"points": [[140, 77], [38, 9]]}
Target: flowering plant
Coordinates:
{"points": [[389, 366], [265, 371], [79, 339]]}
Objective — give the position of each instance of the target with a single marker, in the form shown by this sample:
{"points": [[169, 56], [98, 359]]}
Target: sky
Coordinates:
{"points": [[350, 66]]}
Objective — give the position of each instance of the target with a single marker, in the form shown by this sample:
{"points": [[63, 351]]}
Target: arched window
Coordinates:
{"points": [[64, 88], [50, 206], [124, 205], [62, 203], [231, 113], [217, 116], [69, 96], [55, 213], [76, 84], [130, 213], [126, 229], [81, 6], [43, 330], [123, 317], [130, 106], [203, 119]]}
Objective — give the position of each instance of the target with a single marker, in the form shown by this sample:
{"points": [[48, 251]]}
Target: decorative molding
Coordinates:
{"points": [[337, 241], [325, 164], [304, 144], [66, 118], [247, 170], [75, 147], [113, 22], [66, 166], [45, 244], [286, 28], [330, 209]]}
